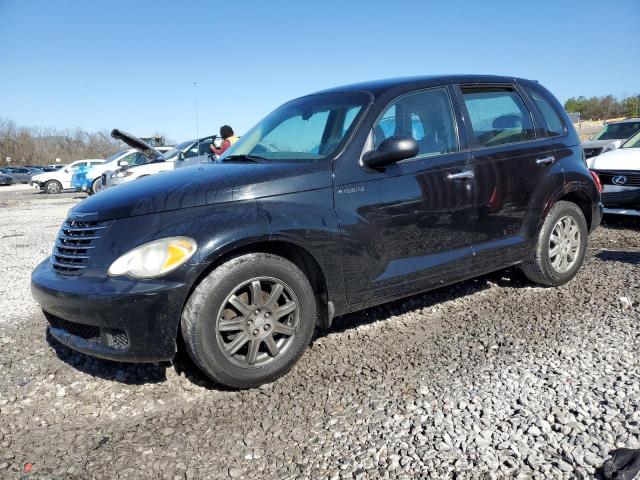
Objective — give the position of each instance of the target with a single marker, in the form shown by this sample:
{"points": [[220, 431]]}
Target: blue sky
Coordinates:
{"points": [[131, 65]]}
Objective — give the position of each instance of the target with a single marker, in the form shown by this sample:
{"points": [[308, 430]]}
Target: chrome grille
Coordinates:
{"points": [[631, 178], [73, 246]]}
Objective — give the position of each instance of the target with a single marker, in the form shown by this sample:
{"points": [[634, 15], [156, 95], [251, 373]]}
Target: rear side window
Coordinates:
{"points": [[553, 124], [426, 116], [498, 115]]}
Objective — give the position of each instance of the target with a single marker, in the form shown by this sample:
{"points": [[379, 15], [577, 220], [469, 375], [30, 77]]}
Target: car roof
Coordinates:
{"points": [[379, 87]]}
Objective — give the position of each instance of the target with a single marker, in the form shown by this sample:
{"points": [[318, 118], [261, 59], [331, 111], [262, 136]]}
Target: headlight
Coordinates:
{"points": [[154, 258]]}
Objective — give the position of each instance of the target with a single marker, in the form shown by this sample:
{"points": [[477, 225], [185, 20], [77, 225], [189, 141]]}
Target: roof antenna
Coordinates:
{"points": [[195, 88]]}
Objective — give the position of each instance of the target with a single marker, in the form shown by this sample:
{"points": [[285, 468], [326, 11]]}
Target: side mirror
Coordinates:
{"points": [[181, 156], [391, 150], [122, 163]]}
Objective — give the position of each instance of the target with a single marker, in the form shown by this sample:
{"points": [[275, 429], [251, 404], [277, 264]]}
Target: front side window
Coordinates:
{"points": [[616, 131], [426, 116], [309, 128], [554, 126], [498, 116]]}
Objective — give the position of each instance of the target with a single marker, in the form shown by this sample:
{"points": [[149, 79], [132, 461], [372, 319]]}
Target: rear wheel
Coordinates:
{"points": [[561, 246], [249, 320], [53, 186]]}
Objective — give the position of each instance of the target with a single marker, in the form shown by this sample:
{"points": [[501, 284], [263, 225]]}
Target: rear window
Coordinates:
{"points": [[553, 124], [498, 116]]}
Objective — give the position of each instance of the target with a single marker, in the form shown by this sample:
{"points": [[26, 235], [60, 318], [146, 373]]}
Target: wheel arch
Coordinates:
{"points": [[295, 253], [574, 193]]}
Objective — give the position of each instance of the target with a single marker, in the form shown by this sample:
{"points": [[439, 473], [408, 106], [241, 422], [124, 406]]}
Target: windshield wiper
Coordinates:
{"points": [[244, 158]]}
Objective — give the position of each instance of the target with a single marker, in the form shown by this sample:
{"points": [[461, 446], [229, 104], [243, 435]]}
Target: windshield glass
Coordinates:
{"points": [[174, 151], [616, 131], [309, 128], [633, 142], [114, 156]]}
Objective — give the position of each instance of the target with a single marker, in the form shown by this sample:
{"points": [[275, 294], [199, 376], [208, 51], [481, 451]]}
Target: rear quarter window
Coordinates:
{"points": [[553, 124]]}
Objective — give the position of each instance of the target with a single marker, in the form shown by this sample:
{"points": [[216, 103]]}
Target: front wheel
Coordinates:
{"points": [[96, 186], [561, 246], [53, 186], [249, 321]]}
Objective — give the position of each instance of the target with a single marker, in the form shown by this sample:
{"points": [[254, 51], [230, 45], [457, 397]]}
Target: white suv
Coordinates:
{"points": [[56, 182]]}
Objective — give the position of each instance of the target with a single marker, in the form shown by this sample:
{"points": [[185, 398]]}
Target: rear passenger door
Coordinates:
{"points": [[512, 158]]}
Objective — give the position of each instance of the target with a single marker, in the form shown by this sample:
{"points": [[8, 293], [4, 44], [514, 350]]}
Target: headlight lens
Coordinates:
{"points": [[154, 258]]}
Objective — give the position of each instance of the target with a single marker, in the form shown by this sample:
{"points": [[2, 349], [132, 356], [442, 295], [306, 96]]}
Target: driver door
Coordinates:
{"points": [[409, 226]]}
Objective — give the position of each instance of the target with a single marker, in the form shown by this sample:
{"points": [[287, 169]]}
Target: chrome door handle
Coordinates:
{"points": [[546, 160], [466, 175]]}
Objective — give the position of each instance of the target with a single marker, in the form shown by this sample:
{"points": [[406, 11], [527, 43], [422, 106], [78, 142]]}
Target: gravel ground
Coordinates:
{"points": [[490, 378]]}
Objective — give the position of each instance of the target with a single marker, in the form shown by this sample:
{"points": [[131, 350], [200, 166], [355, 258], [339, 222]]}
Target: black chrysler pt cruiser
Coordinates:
{"points": [[334, 202]]}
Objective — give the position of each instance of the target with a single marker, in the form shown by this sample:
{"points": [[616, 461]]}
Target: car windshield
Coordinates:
{"points": [[633, 142], [175, 150], [616, 131], [309, 128], [114, 156]]}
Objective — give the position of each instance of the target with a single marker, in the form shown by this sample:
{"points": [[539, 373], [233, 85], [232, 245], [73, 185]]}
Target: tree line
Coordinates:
{"points": [[602, 108], [41, 146]]}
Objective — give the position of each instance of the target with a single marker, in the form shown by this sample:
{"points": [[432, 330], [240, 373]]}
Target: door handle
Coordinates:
{"points": [[466, 175], [546, 160]]}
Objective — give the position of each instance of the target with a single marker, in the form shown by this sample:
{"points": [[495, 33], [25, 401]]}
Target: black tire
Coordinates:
{"points": [[206, 306], [539, 268], [53, 186]]}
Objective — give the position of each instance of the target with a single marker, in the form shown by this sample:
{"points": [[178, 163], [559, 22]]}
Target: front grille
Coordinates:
{"points": [[592, 152], [621, 198], [74, 244], [109, 337], [631, 178]]}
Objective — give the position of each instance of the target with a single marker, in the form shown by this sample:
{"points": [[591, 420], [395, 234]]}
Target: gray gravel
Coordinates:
{"points": [[489, 378]]}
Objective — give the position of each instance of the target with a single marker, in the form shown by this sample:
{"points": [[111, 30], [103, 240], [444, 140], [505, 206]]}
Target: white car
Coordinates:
{"points": [[619, 172], [181, 155], [130, 157], [56, 182]]}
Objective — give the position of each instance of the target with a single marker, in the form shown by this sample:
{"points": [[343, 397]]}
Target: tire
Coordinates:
{"points": [[212, 306], [53, 186], [548, 269], [96, 186]]}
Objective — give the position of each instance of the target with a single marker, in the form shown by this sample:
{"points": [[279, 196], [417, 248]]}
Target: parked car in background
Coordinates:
{"points": [[56, 166], [60, 179], [21, 174], [319, 211], [619, 172], [186, 153], [612, 136], [92, 181], [6, 179]]}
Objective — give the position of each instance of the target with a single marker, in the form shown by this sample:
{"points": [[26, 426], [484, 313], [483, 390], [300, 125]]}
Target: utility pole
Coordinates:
{"points": [[195, 88]]}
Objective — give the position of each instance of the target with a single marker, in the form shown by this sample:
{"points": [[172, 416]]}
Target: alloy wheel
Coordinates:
{"points": [[564, 244], [257, 322]]}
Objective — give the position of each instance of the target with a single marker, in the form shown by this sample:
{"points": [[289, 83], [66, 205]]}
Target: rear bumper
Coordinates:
{"points": [[114, 318], [596, 216]]}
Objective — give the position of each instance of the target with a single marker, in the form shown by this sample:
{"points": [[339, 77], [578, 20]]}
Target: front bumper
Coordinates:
{"points": [[114, 318], [597, 211]]}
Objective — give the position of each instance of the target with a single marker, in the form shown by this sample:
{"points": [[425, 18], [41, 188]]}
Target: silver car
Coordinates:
{"points": [[611, 136]]}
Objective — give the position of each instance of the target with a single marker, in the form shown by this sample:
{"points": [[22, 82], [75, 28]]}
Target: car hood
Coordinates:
{"points": [[620, 159], [602, 143], [201, 185]]}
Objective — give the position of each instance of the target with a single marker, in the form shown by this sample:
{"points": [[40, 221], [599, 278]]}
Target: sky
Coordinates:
{"points": [[131, 65]]}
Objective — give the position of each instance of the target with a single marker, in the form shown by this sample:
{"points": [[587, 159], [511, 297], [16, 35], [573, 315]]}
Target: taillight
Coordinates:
{"points": [[596, 179]]}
